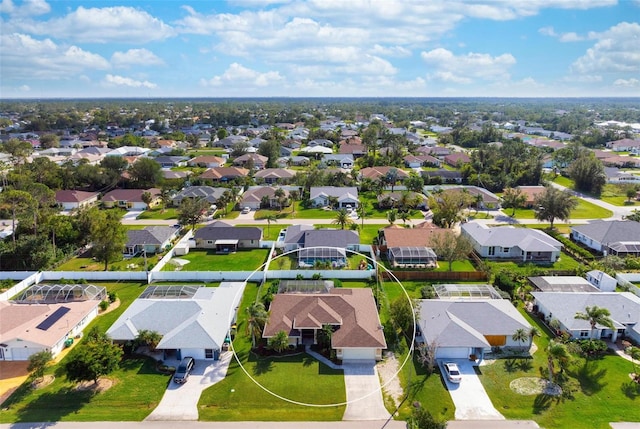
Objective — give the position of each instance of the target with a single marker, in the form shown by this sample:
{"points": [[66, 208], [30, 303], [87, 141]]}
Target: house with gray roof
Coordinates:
{"points": [[623, 306], [225, 238], [275, 175], [562, 284], [508, 242], [171, 161], [342, 160], [257, 197], [347, 196], [441, 176], [209, 193], [150, 240], [459, 328], [193, 320], [326, 245], [611, 237]]}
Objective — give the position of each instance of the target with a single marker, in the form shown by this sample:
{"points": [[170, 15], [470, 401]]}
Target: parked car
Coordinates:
{"points": [[184, 369], [246, 210], [453, 373]]}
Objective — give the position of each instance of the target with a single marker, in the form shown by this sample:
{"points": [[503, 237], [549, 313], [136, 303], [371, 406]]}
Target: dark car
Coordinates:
{"points": [[182, 373]]}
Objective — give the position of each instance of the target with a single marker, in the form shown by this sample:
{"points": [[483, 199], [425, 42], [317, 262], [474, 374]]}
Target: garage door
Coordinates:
{"points": [[358, 354], [22, 353], [452, 353]]}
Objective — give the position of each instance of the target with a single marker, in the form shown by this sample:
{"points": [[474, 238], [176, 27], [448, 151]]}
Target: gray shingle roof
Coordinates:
{"points": [[603, 231], [295, 233], [150, 235], [208, 193], [527, 239], [330, 238], [224, 232], [449, 323]]}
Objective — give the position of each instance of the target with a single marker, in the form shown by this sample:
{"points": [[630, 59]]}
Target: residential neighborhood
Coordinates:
{"points": [[336, 258]]}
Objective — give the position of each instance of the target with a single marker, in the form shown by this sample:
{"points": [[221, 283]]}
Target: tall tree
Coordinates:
{"points": [[596, 316], [145, 173], [108, 236], [257, 317], [192, 211], [95, 357], [447, 207], [587, 172], [342, 218], [450, 246], [556, 353], [270, 218], [270, 149], [48, 141], [554, 204], [17, 202], [513, 198]]}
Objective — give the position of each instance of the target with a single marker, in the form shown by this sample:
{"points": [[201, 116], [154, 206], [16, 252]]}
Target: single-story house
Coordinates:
{"points": [[207, 161], [457, 159], [71, 200], [376, 173], [508, 242], [442, 176], [489, 199], [602, 280], [176, 174], [208, 193], [258, 162], [320, 142], [255, 196], [339, 160], [562, 284], [193, 320], [32, 326], [611, 237], [617, 176], [623, 306], [623, 145], [326, 245], [408, 248], [130, 199], [225, 238], [294, 236], [411, 200], [530, 193], [171, 161], [346, 196], [224, 174], [417, 161], [150, 240], [352, 313], [275, 175], [298, 160], [469, 328]]}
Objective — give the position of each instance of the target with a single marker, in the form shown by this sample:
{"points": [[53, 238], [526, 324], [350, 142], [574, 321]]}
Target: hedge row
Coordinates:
{"points": [[572, 248]]}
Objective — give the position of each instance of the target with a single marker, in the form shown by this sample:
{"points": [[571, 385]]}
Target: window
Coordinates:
{"points": [[584, 334], [505, 250], [208, 353], [492, 251]]}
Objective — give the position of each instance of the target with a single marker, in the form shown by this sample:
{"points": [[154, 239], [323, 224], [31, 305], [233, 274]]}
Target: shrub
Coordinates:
{"points": [[592, 347], [572, 248], [112, 296], [427, 292], [104, 305], [316, 276], [337, 282]]}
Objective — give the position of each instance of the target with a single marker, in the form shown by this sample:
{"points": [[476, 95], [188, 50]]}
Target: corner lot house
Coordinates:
{"points": [[45, 317], [352, 313], [462, 328], [623, 306], [130, 199], [225, 238], [508, 242], [614, 237], [346, 196], [71, 200], [193, 320]]}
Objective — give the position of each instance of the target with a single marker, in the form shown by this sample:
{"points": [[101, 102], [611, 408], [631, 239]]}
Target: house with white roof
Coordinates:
{"points": [[508, 242], [193, 320], [347, 196]]}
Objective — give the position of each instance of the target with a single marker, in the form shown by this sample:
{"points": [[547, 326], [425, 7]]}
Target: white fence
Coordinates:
{"points": [[325, 274], [205, 276], [171, 253], [628, 279], [19, 287]]}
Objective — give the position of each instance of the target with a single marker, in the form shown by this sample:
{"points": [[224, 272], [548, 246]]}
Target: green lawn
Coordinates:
{"points": [[207, 260], [584, 210], [89, 264], [270, 232], [300, 378], [286, 213], [369, 232], [604, 391], [616, 195], [159, 214], [564, 181], [565, 263]]}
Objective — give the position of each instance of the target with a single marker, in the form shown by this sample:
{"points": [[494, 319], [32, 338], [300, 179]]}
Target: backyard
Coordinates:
{"points": [[584, 210], [86, 263], [208, 260]]}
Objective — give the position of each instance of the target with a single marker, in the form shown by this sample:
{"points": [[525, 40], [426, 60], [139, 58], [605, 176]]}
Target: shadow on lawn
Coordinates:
{"points": [[631, 389], [53, 406], [590, 377], [518, 364], [542, 402]]}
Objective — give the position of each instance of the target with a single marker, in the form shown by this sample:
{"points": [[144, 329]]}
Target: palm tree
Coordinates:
{"points": [[405, 216], [280, 195], [533, 332], [295, 196], [553, 203], [279, 342], [362, 212], [270, 218], [520, 335], [556, 352], [255, 322], [596, 316], [342, 218], [392, 216]]}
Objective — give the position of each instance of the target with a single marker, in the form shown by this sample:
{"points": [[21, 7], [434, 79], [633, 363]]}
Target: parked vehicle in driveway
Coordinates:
{"points": [[453, 372], [184, 369], [245, 210]]}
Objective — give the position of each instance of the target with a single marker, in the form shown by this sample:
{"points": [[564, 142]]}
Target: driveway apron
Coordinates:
{"points": [[180, 401], [363, 388], [469, 396]]}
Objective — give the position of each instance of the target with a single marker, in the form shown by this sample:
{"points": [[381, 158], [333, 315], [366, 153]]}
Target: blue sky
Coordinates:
{"points": [[320, 48]]}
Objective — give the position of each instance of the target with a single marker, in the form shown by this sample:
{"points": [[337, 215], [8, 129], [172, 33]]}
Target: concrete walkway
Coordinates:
{"points": [[180, 401], [362, 384], [619, 351]]}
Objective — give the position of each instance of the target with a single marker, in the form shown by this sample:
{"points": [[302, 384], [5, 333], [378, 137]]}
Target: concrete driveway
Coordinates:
{"points": [[469, 396], [132, 214], [180, 401], [363, 387]]}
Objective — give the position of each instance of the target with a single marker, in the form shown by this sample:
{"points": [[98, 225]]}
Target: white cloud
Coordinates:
{"points": [[135, 57], [23, 56], [467, 68], [25, 88], [102, 25], [27, 8], [115, 80], [390, 51], [627, 83], [616, 51], [237, 74], [563, 37]]}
